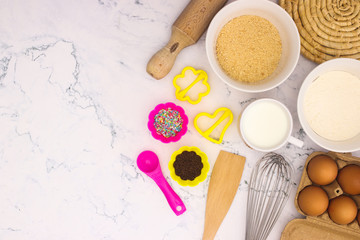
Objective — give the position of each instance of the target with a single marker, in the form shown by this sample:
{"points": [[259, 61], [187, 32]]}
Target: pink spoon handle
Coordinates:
{"points": [[173, 199]]}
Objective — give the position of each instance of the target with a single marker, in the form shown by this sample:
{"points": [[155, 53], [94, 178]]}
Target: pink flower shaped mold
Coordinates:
{"points": [[168, 122]]}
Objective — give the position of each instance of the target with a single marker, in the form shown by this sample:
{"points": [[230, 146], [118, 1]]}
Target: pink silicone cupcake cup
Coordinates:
{"points": [[152, 120]]}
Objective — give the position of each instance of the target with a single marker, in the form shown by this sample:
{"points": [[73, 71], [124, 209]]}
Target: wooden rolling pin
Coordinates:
{"points": [[186, 30]]}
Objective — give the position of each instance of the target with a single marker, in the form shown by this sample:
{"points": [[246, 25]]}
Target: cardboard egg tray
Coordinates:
{"points": [[322, 227]]}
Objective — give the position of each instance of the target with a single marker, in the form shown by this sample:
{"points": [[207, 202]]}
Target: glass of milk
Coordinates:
{"points": [[266, 125]]}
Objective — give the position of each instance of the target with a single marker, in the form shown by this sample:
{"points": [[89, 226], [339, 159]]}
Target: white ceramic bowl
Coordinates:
{"points": [[341, 64], [279, 18]]}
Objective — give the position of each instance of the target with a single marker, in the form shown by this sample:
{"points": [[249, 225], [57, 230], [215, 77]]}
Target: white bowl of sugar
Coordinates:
{"points": [[253, 46]]}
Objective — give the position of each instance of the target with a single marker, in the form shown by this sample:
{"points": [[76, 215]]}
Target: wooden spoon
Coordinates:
{"points": [[224, 182]]}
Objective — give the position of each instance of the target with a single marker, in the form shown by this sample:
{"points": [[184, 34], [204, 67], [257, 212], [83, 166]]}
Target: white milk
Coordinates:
{"points": [[265, 124]]}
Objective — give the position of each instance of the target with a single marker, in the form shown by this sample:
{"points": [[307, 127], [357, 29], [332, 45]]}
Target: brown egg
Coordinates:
{"points": [[349, 179], [342, 210], [322, 170], [313, 200]]}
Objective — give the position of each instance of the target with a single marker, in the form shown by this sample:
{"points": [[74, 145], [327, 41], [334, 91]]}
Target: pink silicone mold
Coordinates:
{"points": [[161, 137]]}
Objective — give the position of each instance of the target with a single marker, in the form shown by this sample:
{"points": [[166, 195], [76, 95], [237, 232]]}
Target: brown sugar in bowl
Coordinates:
{"points": [[290, 42], [248, 48]]}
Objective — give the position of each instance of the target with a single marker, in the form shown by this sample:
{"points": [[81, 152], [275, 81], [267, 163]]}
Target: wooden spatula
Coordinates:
{"points": [[224, 182]]}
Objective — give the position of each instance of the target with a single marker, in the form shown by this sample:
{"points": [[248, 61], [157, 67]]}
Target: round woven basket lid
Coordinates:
{"points": [[328, 28]]}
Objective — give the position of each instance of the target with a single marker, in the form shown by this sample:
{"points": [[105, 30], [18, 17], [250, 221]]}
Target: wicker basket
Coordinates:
{"points": [[328, 28]]}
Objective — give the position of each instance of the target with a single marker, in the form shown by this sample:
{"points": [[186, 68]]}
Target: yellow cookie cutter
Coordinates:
{"points": [[206, 134], [204, 170], [181, 93]]}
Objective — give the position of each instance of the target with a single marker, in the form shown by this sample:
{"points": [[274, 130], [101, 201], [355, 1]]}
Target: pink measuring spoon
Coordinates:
{"points": [[148, 162]]}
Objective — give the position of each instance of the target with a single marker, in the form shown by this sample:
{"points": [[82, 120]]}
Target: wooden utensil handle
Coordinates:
{"points": [[161, 63], [196, 17], [186, 30]]}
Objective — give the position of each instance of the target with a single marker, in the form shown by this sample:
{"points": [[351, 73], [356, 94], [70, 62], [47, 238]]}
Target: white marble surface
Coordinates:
{"points": [[74, 100]]}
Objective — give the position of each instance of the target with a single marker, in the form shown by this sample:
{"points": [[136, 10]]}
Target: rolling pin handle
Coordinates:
{"points": [[186, 30], [161, 63]]}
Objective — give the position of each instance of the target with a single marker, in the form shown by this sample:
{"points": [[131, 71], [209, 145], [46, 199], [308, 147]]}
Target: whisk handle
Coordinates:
{"points": [[296, 142]]}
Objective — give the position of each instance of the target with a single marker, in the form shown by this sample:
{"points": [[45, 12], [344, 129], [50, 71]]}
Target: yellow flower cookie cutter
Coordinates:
{"points": [[226, 114], [182, 93], [204, 170]]}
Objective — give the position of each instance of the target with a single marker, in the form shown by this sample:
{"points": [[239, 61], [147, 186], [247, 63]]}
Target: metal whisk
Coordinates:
{"points": [[269, 189]]}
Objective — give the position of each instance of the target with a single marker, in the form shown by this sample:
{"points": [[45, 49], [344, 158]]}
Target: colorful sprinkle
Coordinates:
{"points": [[168, 122]]}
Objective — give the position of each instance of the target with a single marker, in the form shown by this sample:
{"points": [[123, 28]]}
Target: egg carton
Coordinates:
{"points": [[322, 227]]}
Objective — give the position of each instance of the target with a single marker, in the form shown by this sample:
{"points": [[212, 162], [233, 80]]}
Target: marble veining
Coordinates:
{"points": [[74, 101]]}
